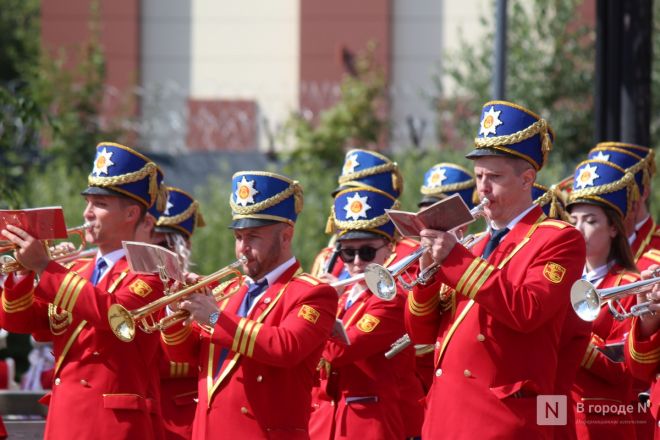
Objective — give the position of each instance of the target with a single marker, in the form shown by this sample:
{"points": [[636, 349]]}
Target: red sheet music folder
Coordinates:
{"points": [[41, 223]]}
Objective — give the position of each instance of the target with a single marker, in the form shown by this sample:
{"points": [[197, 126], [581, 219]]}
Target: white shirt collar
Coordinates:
{"points": [[271, 277], [111, 258], [596, 275], [515, 221], [639, 225]]}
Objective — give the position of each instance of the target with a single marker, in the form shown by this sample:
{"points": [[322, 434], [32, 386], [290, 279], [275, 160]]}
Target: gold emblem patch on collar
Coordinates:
{"points": [[140, 288], [309, 313], [367, 323], [554, 272]]}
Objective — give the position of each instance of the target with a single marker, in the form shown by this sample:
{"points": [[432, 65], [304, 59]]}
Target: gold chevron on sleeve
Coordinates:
{"points": [[648, 357], [476, 275], [67, 294], [480, 282], [19, 304], [176, 337], [475, 263], [238, 334], [422, 309], [249, 325], [253, 339]]}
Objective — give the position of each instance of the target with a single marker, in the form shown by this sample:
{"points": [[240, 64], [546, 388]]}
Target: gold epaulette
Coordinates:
{"points": [[653, 254], [309, 279], [559, 224], [221, 287]]}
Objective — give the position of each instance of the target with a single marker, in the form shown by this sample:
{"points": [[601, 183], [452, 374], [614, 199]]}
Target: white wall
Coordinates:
{"points": [[416, 48], [247, 50], [164, 73], [422, 31]]}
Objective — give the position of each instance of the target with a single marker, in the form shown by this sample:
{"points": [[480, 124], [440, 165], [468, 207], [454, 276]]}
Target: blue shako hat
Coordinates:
{"points": [[121, 171], [360, 213], [260, 198], [632, 158], [445, 179], [507, 129], [549, 200], [181, 214], [365, 168], [604, 183]]}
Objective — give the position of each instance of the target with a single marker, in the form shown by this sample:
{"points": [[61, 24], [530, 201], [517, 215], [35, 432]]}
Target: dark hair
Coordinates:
{"points": [[620, 250]]}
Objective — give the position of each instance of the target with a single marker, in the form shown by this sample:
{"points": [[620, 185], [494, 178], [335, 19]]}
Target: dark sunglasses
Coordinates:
{"points": [[366, 253]]}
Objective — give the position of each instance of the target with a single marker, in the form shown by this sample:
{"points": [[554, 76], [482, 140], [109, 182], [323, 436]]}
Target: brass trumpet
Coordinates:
{"points": [[382, 281], [124, 322], [9, 264], [587, 300]]}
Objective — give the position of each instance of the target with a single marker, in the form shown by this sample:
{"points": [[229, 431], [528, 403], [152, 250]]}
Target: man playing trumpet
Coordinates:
{"points": [[259, 357], [102, 385], [499, 350]]}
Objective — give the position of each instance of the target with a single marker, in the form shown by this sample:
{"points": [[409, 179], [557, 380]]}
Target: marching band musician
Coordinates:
{"points": [[101, 385], [362, 393], [643, 233], [363, 169], [499, 351], [173, 228], [642, 349], [599, 204], [257, 362]]}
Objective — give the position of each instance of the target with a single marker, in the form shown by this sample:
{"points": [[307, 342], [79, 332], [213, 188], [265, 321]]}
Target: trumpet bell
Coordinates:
{"points": [[585, 300], [121, 322], [380, 281]]}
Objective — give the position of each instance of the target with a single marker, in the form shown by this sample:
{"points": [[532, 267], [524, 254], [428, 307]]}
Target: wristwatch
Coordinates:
{"points": [[213, 318]]}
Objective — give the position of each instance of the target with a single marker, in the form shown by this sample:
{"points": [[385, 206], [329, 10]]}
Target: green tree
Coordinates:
{"points": [[550, 70], [356, 120]]}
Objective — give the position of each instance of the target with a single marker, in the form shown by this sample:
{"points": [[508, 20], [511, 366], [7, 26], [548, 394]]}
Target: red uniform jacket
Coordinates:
{"points": [[499, 351], [362, 393], [650, 254], [178, 397], [643, 359], [648, 237], [262, 388], [101, 385], [573, 343], [602, 381]]}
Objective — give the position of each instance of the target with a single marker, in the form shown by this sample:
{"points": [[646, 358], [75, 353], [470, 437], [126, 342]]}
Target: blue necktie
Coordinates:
{"points": [[253, 291], [496, 236], [101, 266]]}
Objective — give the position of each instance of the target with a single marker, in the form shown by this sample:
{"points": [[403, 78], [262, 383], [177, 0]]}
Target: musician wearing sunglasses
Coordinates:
{"points": [[267, 329], [360, 391], [642, 349], [102, 386], [497, 351], [173, 228], [363, 169], [598, 205]]}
